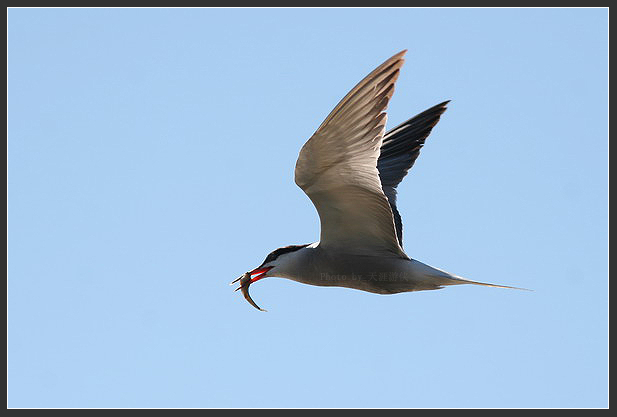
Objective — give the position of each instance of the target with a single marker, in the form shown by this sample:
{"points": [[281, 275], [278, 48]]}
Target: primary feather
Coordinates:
{"points": [[399, 150]]}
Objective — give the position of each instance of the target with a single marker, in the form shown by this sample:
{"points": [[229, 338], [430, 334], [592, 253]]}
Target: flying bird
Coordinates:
{"points": [[350, 170]]}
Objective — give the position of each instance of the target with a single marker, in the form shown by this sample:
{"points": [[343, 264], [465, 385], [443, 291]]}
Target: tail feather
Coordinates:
{"points": [[458, 280], [436, 277]]}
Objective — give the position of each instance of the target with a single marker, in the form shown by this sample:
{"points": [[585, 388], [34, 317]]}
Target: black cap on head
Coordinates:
{"points": [[280, 251]]}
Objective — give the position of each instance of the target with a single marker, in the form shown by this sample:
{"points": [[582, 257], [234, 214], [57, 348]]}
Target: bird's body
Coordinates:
{"points": [[350, 170], [314, 265]]}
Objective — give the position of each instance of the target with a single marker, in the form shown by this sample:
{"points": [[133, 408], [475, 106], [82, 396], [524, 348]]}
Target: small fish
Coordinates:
{"points": [[245, 282]]}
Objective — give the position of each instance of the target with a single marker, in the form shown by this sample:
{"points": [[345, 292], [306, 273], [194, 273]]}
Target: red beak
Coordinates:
{"points": [[260, 271]]}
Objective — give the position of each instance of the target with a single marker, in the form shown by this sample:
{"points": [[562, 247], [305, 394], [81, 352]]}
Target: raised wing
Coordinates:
{"points": [[337, 169], [399, 150]]}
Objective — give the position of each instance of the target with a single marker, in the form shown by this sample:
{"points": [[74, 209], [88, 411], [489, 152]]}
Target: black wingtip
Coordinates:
{"points": [[443, 105]]}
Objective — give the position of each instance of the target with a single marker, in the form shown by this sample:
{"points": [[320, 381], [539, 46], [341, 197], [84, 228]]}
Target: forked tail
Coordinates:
{"points": [[458, 280], [438, 277]]}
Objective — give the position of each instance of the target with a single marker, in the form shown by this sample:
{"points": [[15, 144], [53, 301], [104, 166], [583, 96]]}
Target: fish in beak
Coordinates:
{"points": [[246, 280]]}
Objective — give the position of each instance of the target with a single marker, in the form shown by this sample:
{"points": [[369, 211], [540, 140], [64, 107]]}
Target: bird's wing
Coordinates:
{"points": [[399, 150], [337, 169]]}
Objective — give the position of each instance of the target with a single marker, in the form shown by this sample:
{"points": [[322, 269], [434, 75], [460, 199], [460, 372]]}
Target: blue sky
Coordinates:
{"points": [[150, 162]]}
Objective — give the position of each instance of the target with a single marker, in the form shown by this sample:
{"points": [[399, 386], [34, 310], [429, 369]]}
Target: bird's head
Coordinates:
{"points": [[277, 261]]}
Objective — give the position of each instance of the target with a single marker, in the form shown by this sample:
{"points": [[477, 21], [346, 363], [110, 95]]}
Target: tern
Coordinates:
{"points": [[350, 170]]}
